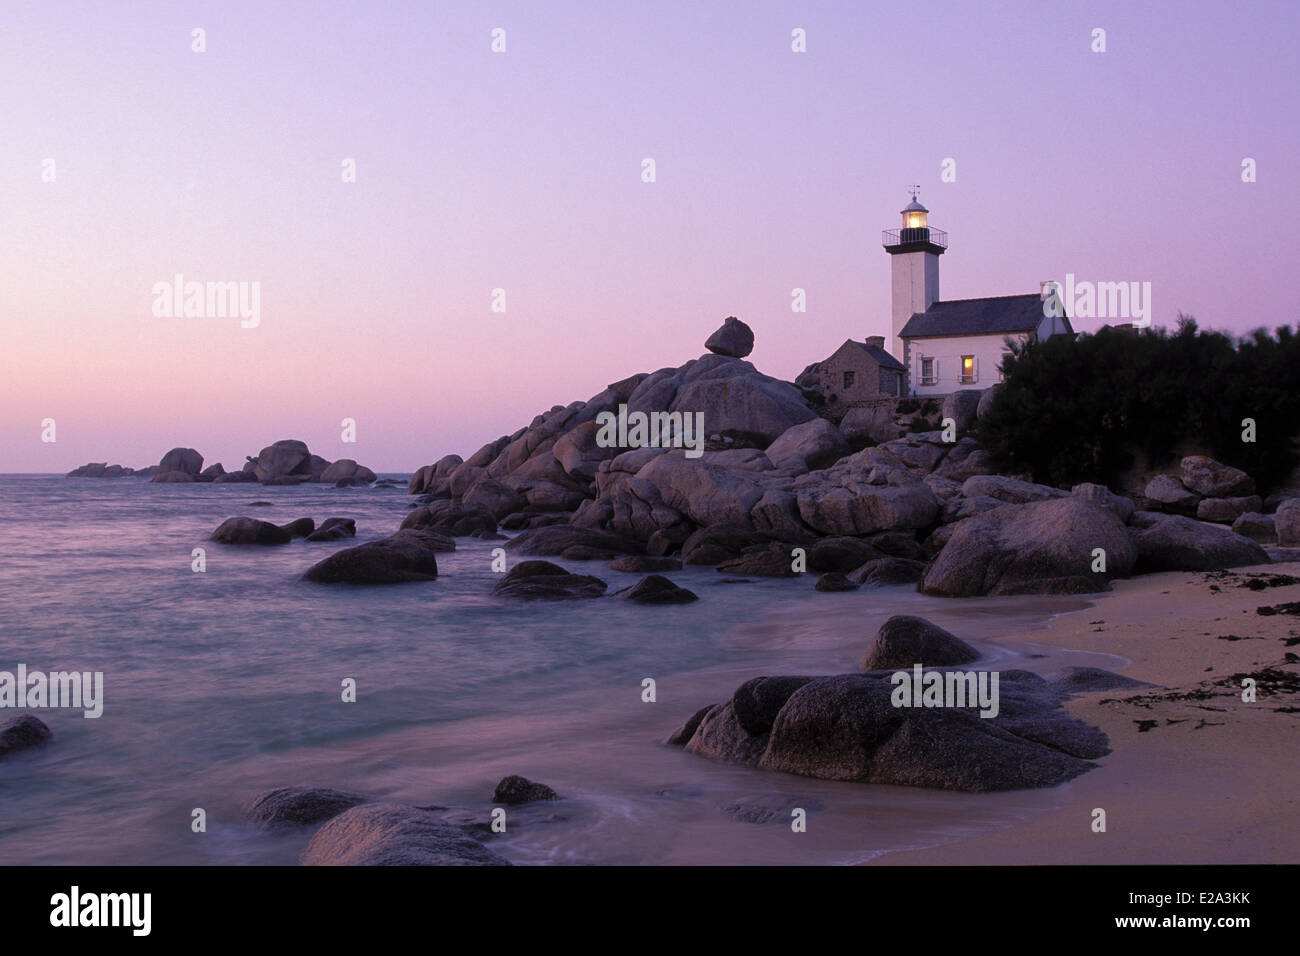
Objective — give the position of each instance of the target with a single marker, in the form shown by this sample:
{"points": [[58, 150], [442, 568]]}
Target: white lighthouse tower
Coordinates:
{"points": [[915, 249]]}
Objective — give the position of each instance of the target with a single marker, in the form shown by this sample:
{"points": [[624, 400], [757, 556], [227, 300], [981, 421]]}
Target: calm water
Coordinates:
{"points": [[222, 684]]}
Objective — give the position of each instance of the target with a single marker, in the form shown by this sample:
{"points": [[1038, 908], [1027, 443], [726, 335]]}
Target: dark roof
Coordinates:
{"points": [[991, 316], [883, 358]]}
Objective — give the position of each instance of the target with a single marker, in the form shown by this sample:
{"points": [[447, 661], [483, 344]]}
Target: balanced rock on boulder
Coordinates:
{"points": [[734, 338]]}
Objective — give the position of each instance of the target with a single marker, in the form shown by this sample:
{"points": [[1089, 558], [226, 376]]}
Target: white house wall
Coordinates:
{"points": [[947, 352]]}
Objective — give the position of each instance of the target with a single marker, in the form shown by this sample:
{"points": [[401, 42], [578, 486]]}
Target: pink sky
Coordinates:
{"points": [[522, 171]]}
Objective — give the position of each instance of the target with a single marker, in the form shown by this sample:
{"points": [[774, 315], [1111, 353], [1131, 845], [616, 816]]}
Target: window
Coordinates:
{"points": [[848, 380], [927, 371], [968, 370], [1002, 367]]}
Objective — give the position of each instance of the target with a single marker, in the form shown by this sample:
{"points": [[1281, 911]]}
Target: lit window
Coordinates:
{"points": [[848, 379], [968, 369], [927, 371]]}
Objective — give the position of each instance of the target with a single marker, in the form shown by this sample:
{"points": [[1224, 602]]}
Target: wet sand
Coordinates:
{"points": [[1196, 774]]}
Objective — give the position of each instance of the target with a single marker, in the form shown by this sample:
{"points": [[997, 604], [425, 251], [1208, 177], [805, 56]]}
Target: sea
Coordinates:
{"points": [[224, 682]]}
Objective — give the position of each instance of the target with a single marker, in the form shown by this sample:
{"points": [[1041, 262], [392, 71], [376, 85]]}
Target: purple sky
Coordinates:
{"points": [[522, 171]]}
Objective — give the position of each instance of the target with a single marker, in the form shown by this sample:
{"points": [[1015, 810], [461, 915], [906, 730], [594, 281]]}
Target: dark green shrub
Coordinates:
{"points": [[1073, 411]]}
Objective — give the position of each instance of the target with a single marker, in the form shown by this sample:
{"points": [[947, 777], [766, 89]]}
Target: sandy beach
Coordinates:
{"points": [[1196, 775]]}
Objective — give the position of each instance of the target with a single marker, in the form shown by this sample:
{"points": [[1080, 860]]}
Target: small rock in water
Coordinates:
{"points": [[514, 790], [390, 834], [904, 640], [298, 806], [643, 564], [657, 589], [23, 733], [300, 528], [835, 581], [884, 572], [332, 529], [684, 733], [840, 554], [249, 531], [542, 579], [771, 560], [407, 555]]}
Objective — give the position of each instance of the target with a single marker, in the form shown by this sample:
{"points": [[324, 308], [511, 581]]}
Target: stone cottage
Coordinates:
{"points": [[860, 373]]}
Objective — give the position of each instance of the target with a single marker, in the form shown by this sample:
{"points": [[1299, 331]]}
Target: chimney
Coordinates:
{"points": [[877, 340]]}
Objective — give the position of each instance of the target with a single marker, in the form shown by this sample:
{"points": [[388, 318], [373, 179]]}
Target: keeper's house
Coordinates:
{"points": [[958, 343], [860, 373]]}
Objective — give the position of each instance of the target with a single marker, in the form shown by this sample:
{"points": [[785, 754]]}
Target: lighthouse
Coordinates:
{"points": [[915, 250]]}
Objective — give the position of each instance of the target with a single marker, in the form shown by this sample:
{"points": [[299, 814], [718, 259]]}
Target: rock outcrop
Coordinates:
{"points": [[1040, 547], [1178, 543], [347, 470], [773, 472], [847, 727], [100, 469], [184, 460]]}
